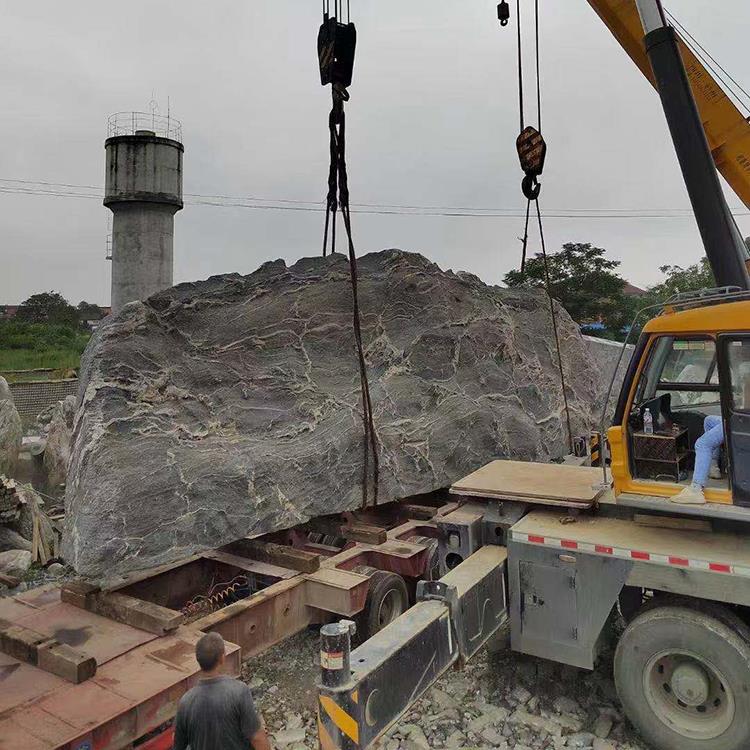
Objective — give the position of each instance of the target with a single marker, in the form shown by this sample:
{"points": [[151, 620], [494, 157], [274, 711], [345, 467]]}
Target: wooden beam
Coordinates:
{"points": [[128, 610], [353, 531], [65, 662], [276, 554], [418, 512], [153, 618], [20, 643], [77, 593], [364, 532], [46, 653]]}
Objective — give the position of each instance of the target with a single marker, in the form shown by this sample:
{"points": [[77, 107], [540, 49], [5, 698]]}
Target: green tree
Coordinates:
{"points": [[48, 307], [89, 311], [582, 279], [679, 279]]}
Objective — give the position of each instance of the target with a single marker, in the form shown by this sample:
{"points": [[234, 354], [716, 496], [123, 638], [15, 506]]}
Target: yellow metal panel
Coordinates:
{"points": [[711, 319], [340, 718], [727, 131]]}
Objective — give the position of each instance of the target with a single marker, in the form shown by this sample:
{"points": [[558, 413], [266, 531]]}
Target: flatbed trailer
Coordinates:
{"points": [[102, 667]]}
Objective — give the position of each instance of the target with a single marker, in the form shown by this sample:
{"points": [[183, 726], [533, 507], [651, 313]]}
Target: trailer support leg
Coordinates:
{"points": [[364, 692]]}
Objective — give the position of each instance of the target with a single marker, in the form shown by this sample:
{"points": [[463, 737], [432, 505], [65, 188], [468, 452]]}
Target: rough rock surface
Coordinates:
{"points": [[11, 432], [15, 561], [10, 539], [607, 355], [231, 406], [58, 431]]}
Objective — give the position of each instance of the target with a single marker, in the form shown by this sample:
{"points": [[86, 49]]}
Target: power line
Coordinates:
{"points": [[273, 204]]}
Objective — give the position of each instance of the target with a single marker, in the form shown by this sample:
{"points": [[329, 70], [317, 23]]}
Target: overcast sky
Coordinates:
{"points": [[431, 122]]}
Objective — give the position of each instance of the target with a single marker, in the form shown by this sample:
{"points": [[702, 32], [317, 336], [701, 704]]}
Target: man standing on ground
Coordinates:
{"points": [[218, 713]]}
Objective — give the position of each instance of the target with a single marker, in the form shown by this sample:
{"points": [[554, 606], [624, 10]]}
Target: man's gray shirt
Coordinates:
{"points": [[217, 714]]}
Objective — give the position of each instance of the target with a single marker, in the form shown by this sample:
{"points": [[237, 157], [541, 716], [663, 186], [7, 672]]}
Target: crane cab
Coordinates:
{"points": [[691, 370]]}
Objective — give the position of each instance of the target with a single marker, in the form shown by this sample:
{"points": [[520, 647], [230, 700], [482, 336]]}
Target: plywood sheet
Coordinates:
{"points": [[556, 483]]}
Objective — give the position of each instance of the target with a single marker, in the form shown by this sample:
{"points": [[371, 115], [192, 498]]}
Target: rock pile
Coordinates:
{"points": [[230, 406], [26, 534], [11, 433]]}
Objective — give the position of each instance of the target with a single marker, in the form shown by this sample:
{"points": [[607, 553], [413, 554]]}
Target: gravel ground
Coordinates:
{"points": [[498, 701]]}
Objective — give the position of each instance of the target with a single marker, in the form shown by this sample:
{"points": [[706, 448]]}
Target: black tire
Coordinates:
{"points": [[683, 677], [387, 598], [630, 602]]}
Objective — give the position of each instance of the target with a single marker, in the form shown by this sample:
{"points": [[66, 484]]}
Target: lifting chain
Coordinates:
{"points": [[337, 43]]}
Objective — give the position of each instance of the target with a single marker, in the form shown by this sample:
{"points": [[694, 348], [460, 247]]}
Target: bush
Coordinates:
{"points": [[35, 345]]}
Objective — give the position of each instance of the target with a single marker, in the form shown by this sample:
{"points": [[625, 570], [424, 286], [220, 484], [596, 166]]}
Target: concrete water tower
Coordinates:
{"points": [[143, 189]]}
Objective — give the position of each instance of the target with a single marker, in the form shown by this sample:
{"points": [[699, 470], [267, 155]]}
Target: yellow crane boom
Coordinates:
{"points": [[727, 131]]}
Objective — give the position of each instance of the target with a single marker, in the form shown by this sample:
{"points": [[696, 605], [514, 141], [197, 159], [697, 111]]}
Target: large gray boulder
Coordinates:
{"points": [[608, 355], [231, 406], [11, 432]]}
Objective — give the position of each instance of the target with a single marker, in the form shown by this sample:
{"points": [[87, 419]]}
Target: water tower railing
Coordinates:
{"points": [[129, 123]]}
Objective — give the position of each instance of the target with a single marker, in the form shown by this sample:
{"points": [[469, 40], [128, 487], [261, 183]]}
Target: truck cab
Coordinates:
{"points": [[691, 370]]}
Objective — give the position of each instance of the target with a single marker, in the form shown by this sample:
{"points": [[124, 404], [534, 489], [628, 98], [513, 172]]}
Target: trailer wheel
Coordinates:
{"points": [[683, 677], [387, 598]]}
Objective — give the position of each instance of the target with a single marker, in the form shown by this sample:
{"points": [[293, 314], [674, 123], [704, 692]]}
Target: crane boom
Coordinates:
{"points": [[727, 131]]}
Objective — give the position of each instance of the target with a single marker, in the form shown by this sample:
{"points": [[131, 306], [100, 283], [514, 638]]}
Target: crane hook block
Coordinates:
{"points": [[503, 13], [532, 151], [336, 46]]}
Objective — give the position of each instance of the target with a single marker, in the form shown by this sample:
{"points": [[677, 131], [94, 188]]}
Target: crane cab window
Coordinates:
{"points": [[738, 359], [736, 362], [680, 388]]}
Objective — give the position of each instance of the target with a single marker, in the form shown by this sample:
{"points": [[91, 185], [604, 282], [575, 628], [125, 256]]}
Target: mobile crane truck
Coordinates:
{"points": [[553, 548]]}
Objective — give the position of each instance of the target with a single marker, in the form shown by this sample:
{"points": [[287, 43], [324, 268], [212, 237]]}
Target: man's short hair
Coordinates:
{"points": [[209, 650]]}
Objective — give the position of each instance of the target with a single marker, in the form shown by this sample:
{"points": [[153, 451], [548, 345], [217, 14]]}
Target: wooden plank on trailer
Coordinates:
{"points": [[364, 532], [418, 512], [101, 637], [128, 610], [20, 643], [354, 531], [533, 482], [47, 653], [276, 554], [78, 593], [153, 618], [64, 661], [340, 591]]}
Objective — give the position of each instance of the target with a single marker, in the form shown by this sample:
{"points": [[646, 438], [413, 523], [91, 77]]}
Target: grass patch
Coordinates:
{"points": [[27, 346]]}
